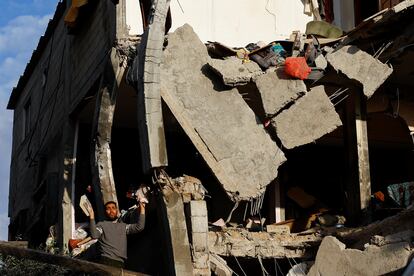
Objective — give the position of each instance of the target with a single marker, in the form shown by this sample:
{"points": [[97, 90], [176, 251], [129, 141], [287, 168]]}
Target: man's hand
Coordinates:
{"points": [[141, 207], [91, 213]]}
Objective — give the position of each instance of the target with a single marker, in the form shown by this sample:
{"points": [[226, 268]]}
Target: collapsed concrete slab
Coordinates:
{"points": [[240, 242], [234, 72], [361, 67], [220, 124], [277, 90], [308, 119], [333, 259]]}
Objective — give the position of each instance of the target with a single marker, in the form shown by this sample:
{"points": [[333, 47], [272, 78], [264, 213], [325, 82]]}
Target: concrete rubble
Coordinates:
{"points": [[333, 258], [242, 243], [234, 111], [308, 119], [360, 66], [220, 124], [234, 71], [278, 90]]}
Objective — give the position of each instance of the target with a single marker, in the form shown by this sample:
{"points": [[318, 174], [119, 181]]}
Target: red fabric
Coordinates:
{"points": [[73, 243], [297, 67]]}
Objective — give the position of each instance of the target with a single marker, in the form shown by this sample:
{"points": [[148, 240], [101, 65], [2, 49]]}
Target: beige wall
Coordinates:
{"points": [[235, 23]]}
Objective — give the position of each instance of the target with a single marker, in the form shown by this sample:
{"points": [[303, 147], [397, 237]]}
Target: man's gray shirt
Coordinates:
{"points": [[112, 237]]}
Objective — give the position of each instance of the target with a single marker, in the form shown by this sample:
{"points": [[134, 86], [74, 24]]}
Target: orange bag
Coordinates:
{"points": [[297, 67]]}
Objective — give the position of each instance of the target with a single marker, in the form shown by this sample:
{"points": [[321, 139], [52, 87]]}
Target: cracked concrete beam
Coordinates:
{"points": [[144, 75], [220, 124], [308, 119], [242, 243], [361, 67], [277, 90], [234, 72]]}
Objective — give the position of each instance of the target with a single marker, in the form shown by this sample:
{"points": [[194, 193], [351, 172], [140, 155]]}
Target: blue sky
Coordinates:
{"points": [[22, 22]]}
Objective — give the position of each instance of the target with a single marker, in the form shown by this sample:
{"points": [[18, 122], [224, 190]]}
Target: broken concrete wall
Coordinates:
{"points": [[333, 259], [361, 67], [308, 119], [243, 243], [234, 71], [278, 90], [220, 124]]}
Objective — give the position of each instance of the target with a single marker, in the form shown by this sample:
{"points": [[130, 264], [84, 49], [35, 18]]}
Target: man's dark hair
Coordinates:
{"points": [[110, 202]]}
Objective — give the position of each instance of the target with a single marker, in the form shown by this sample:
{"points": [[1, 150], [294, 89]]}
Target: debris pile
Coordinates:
{"points": [[293, 106]]}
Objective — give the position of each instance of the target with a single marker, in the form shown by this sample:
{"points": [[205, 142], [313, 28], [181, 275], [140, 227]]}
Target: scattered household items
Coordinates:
{"points": [[402, 193]]}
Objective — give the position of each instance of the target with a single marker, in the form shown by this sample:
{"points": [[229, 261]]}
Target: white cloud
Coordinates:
{"points": [[22, 33], [18, 38]]}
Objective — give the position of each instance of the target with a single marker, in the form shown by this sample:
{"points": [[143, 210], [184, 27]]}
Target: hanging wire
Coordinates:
{"points": [[338, 93], [397, 112], [341, 100], [225, 264], [382, 49], [231, 212], [291, 266], [244, 273], [256, 205], [245, 211], [264, 272], [296, 264], [278, 267], [270, 12], [181, 7]]}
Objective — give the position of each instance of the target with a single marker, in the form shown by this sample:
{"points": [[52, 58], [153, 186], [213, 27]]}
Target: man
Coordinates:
{"points": [[112, 234]]}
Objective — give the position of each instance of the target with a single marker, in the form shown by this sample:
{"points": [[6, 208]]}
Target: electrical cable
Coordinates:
{"points": [[397, 112], [278, 267], [244, 273], [264, 271], [271, 13], [181, 7]]}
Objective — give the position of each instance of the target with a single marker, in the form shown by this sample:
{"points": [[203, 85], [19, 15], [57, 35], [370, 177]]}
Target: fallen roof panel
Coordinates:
{"points": [[277, 90], [307, 120], [360, 66], [220, 124]]}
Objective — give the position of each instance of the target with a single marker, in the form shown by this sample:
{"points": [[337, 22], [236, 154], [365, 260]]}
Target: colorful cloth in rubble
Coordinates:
{"points": [[402, 193]]}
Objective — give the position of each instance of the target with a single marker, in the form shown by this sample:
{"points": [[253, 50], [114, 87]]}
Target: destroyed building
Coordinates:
{"points": [[249, 164]]}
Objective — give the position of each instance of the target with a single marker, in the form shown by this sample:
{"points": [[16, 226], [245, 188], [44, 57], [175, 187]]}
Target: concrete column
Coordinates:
{"points": [[66, 191], [101, 160], [358, 182], [150, 120], [199, 237], [178, 235]]}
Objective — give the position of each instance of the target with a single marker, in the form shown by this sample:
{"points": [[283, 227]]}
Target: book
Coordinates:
{"points": [[85, 204]]}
